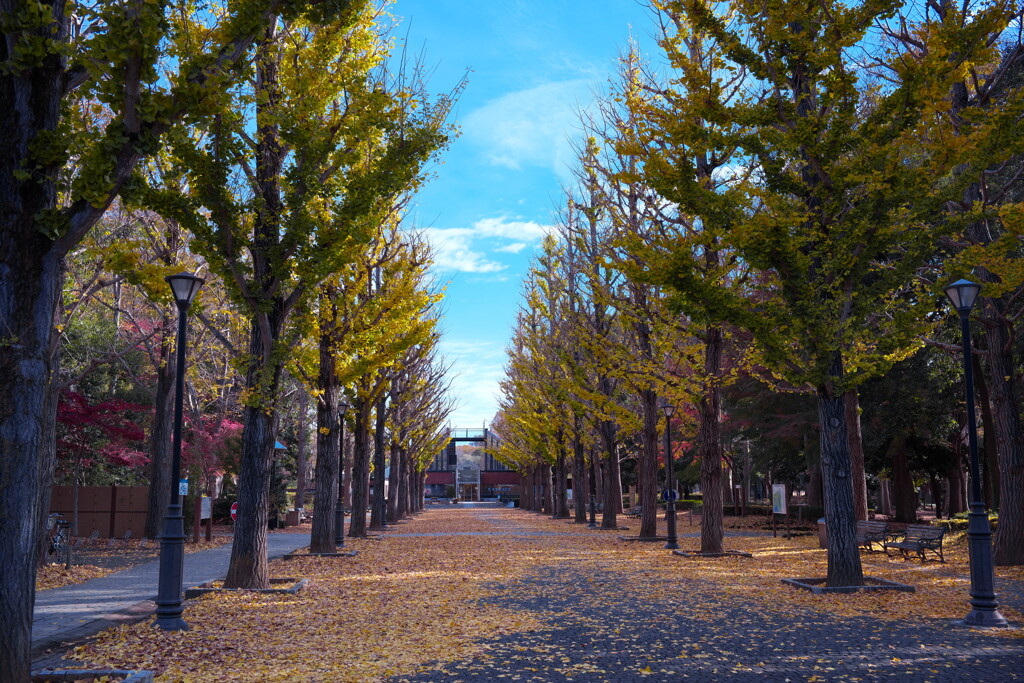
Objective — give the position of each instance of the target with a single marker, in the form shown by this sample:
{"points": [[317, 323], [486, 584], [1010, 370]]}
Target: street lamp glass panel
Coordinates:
{"points": [[185, 286], [963, 294], [668, 409], [343, 407]]}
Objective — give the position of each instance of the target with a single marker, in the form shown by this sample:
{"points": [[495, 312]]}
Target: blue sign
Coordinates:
{"points": [[670, 495], [183, 487]]}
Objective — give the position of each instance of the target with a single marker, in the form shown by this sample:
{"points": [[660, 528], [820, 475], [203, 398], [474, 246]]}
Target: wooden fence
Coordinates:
{"points": [[111, 510]]}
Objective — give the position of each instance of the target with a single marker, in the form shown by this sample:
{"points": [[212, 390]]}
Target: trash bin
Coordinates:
{"points": [[822, 534]]}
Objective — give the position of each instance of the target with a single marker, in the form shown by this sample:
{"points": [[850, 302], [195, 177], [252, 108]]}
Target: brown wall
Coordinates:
{"points": [[111, 510]]}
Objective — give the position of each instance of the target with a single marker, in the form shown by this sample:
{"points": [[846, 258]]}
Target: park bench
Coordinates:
{"points": [[635, 512], [870, 532], [919, 538]]}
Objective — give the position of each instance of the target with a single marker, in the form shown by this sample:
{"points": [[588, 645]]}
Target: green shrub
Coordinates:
{"points": [[959, 523]]}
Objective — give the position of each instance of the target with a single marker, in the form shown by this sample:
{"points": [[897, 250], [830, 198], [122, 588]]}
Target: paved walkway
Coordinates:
{"points": [[595, 630], [68, 614], [598, 632]]}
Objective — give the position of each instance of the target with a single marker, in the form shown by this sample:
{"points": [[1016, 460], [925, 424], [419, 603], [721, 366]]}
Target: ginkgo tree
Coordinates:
{"points": [[59, 171], [836, 216], [286, 180]]}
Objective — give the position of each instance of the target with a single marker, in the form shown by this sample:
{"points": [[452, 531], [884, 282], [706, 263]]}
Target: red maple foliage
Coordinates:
{"points": [[106, 430]]}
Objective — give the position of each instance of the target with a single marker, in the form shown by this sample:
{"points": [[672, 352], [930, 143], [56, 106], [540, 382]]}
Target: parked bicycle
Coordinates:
{"points": [[59, 530]]}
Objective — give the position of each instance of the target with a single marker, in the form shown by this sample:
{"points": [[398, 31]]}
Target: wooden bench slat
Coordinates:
{"points": [[920, 539]]}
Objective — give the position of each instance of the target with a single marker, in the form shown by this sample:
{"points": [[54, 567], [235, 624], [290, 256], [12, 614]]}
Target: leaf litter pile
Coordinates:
{"points": [[487, 594]]}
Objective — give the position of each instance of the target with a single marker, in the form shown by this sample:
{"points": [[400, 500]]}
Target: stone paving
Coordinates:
{"points": [[595, 630], [641, 637]]}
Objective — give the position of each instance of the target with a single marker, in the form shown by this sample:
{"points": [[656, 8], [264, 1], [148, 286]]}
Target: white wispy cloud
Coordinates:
{"points": [[513, 248], [530, 127], [466, 250], [480, 367]]}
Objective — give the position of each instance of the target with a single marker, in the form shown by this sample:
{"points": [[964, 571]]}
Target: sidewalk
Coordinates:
{"points": [[64, 615]]}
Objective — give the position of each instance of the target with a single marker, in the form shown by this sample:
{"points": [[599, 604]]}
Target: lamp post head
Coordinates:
{"points": [[668, 409], [185, 286], [342, 409], [962, 294]]}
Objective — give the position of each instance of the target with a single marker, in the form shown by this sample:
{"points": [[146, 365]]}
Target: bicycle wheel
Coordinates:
{"points": [[62, 547]]}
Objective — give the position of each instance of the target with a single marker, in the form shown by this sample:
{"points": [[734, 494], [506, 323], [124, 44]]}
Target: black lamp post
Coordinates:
{"points": [[339, 506], [985, 612], [670, 479], [185, 286]]}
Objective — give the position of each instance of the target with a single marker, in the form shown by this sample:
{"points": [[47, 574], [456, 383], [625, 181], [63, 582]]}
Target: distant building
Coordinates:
{"points": [[469, 472]]}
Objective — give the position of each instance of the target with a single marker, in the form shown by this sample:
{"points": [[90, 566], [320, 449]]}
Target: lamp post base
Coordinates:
{"points": [[986, 619], [985, 608], [169, 605], [673, 540]]}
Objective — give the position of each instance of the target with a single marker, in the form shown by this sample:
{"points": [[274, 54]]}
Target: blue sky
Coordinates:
{"points": [[532, 65]]}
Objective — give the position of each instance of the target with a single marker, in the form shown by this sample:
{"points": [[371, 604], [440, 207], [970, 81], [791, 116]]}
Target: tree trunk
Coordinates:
{"points": [[814, 496], [404, 483], [844, 568], [648, 465], [393, 492], [851, 406], [1009, 537], [902, 482], [160, 437], [377, 510], [580, 488], [300, 457], [561, 480], [609, 467], [937, 495], [360, 469], [990, 450], [30, 286], [328, 446], [709, 437], [957, 500], [248, 567]]}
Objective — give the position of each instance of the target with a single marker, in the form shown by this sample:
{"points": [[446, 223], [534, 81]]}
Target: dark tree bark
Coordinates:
{"points": [[328, 444], [580, 484], [709, 438], [1009, 536], [609, 467], [160, 437], [648, 465], [393, 485], [248, 567], [404, 483], [844, 567], [990, 451], [814, 495], [377, 510], [547, 490], [957, 498], [360, 469], [904, 495], [300, 457], [561, 480], [851, 406]]}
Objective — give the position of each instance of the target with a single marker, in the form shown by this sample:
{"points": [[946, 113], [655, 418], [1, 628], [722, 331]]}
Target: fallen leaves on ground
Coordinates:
{"points": [[428, 601], [55, 575]]}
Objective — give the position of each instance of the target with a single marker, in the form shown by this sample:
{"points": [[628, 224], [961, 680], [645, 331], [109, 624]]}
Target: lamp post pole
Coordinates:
{"points": [[172, 540], [985, 609], [670, 479], [339, 505]]}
